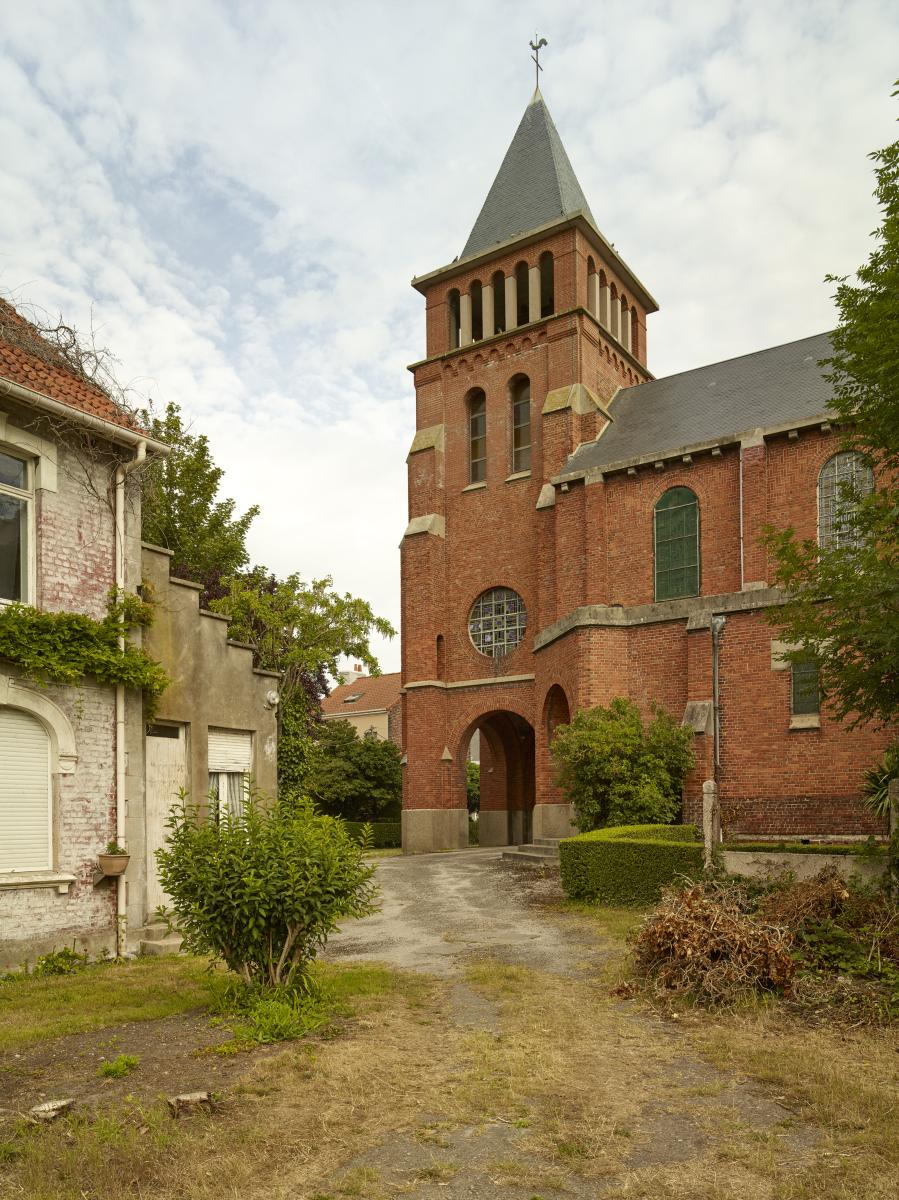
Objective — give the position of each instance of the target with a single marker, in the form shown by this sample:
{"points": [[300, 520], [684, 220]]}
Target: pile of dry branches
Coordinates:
{"points": [[701, 942]]}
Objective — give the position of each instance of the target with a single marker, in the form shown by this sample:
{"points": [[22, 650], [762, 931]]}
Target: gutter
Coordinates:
{"points": [[108, 429], [121, 472]]}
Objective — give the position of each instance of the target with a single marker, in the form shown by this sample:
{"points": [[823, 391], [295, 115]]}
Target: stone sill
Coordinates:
{"points": [[803, 721], [475, 487], [13, 880], [518, 475]]}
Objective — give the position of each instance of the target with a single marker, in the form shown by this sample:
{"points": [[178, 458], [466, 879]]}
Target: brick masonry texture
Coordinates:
{"points": [[594, 546], [75, 571]]}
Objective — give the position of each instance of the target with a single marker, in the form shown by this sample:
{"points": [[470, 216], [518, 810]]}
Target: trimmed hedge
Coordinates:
{"points": [[385, 835], [629, 864]]}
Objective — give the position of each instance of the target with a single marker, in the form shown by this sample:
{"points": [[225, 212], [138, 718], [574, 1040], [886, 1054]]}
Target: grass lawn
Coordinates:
{"points": [[600, 1094], [143, 989]]}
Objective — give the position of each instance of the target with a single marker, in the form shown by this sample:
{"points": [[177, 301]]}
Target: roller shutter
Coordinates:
{"points": [[230, 750], [24, 793]]}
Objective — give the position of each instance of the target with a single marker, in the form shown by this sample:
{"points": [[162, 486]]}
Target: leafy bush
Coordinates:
{"points": [[60, 962], [262, 891], [384, 835], [615, 772], [700, 943], [875, 789], [118, 1068], [629, 864], [357, 778]]}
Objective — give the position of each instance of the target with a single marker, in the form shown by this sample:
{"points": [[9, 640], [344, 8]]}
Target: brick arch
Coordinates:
{"points": [[508, 773]]}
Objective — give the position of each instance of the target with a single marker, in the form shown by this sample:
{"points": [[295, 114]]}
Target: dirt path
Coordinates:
{"points": [[581, 1095]]}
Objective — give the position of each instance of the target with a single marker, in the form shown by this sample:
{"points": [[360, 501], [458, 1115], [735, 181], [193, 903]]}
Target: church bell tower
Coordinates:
{"points": [[529, 334]]}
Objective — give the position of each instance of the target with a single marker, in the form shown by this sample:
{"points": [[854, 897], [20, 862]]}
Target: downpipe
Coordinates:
{"points": [[717, 624], [121, 473]]}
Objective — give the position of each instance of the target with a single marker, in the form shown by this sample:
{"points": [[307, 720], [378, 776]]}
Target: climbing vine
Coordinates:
{"points": [[65, 647]]}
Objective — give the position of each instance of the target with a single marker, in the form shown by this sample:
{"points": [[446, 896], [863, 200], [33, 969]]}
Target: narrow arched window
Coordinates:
{"points": [[453, 303], [477, 437], [547, 285], [521, 293], [499, 302], [521, 424], [844, 480], [477, 311], [676, 549]]}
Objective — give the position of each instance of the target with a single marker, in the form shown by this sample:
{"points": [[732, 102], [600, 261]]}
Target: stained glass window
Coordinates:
{"points": [[677, 544], [497, 622], [844, 479]]}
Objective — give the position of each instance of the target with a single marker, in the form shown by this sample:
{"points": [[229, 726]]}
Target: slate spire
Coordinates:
{"points": [[535, 185]]}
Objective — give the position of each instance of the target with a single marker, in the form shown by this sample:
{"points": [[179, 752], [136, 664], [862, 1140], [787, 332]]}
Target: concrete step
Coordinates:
{"points": [[554, 842], [156, 931], [159, 946], [532, 855]]}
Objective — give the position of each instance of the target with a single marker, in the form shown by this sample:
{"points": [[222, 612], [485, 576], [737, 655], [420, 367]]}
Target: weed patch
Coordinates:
{"points": [[118, 1067]]}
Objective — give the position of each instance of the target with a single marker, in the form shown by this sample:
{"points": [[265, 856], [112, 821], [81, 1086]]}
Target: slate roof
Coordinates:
{"points": [[375, 692], [714, 403], [536, 184], [28, 359]]}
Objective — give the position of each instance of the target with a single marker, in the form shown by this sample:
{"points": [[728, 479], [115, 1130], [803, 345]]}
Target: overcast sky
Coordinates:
{"points": [[241, 191]]}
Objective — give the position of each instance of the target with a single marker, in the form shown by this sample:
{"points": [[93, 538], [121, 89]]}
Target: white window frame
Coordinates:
{"points": [[27, 494]]}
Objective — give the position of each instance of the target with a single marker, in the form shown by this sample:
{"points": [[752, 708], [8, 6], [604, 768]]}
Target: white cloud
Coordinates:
{"points": [[239, 194]]}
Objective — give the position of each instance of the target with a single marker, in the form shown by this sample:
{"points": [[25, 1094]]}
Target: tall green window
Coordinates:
{"points": [[676, 533], [805, 696], [477, 437]]}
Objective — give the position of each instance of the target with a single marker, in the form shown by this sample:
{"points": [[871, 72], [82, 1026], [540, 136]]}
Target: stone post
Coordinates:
{"points": [[534, 294], [626, 328], [711, 821], [488, 322], [511, 301], [465, 319]]}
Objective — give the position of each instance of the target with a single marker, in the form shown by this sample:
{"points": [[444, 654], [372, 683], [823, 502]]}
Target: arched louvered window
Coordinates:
{"points": [[25, 798], [454, 303], [547, 285], [477, 437], [499, 303], [676, 550], [521, 424], [843, 481]]}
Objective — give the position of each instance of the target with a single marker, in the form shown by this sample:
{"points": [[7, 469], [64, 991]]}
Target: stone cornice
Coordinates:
{"points": [[697, 611]]}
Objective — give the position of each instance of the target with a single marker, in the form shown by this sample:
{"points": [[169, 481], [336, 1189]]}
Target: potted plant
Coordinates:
{"points": [[115, 860]]}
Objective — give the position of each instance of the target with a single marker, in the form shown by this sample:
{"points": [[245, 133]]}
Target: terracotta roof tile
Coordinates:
{"points": [[30, 360], [374, 692]]}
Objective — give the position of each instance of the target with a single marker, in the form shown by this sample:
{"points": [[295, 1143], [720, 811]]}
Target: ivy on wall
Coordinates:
{"points": [[66, 647]]}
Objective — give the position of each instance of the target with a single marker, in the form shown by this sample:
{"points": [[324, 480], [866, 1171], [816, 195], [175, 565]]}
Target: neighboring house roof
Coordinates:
{"points": [[373, 693], [31, 361], [536, 184], [763, 390]]}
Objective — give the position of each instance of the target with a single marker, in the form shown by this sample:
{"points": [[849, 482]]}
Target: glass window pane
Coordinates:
{"points": [[13, 471], [502, 629], [13, 527], [676, 544]]}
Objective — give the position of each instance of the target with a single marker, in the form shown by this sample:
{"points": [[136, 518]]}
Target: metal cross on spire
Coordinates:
{"points": [[537, 46]]}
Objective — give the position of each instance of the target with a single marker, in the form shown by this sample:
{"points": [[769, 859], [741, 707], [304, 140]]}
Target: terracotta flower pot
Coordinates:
{"points": [[113, 864]]}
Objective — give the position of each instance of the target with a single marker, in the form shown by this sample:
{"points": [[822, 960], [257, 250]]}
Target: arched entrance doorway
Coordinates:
{"points": [[507, 777]]}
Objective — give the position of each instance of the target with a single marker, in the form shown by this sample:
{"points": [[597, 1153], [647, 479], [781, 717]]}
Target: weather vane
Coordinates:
{"points": [[537, 46]]}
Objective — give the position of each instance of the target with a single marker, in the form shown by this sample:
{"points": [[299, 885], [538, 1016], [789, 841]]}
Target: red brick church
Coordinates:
{"points": [[579, 530]]}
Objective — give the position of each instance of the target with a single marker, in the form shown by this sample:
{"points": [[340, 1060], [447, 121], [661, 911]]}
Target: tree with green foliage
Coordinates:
{"points": [[357, 778], [180, 509], [262, 891], [473, 786], [616, 772], [300, 629], [843, 600]]}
